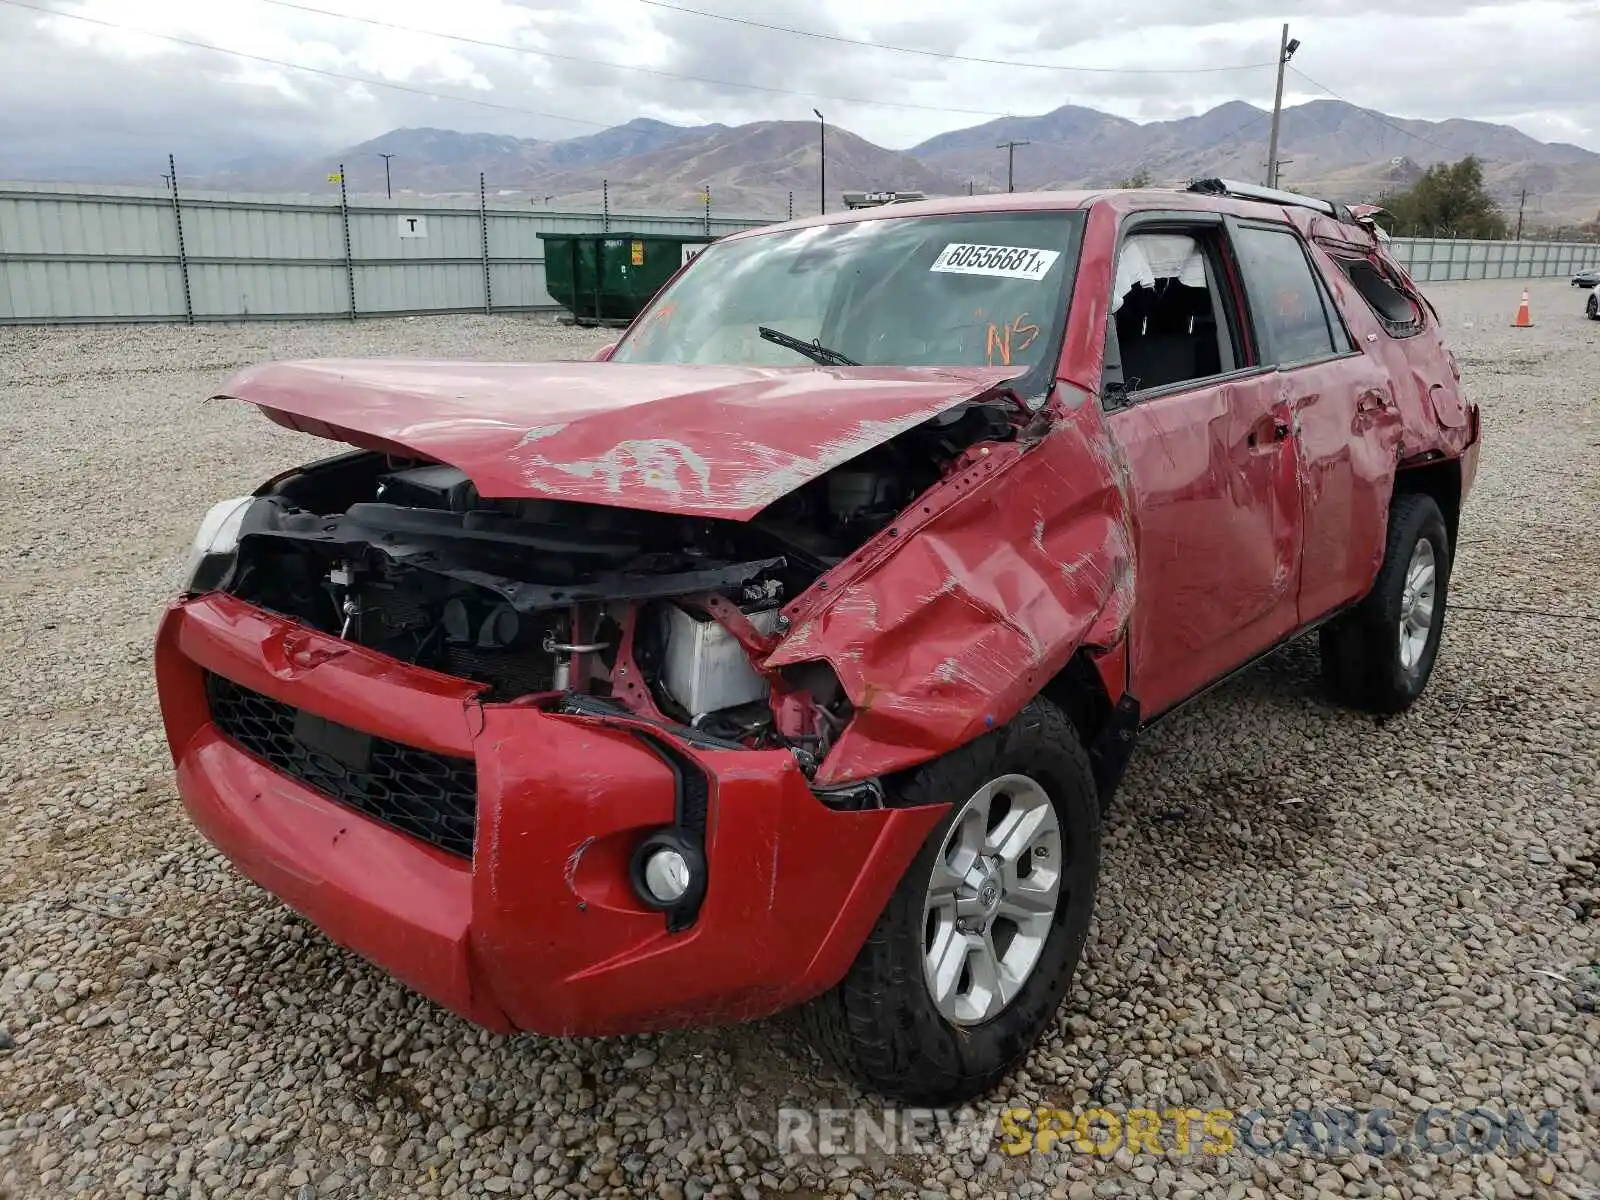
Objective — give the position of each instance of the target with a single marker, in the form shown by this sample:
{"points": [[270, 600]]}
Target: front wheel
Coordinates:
{"points": [[1594, 307], [971, 958], [1379, 655]]}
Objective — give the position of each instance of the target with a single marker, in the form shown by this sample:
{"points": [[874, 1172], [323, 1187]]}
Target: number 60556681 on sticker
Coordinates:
{"points": [[1007, 262]]}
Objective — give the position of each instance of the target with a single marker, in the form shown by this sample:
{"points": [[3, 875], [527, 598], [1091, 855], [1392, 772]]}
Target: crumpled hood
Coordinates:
{"points": [[696, 440]]}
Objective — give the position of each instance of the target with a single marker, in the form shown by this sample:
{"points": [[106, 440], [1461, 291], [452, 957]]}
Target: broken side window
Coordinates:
{"points": [[1166, 325], [1399, 314]]}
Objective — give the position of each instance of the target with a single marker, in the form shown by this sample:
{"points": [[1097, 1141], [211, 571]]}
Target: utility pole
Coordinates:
{"points": [[387, 190], [822, 162], [1010, 147], [1286, 50], [1521, 205]]}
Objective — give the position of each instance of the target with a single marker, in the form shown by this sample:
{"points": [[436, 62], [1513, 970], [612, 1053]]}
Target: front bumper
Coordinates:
{"points": [[540, 930]]}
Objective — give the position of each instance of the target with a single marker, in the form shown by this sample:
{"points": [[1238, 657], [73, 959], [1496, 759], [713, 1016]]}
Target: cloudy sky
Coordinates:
{"points": [[75, 94]]}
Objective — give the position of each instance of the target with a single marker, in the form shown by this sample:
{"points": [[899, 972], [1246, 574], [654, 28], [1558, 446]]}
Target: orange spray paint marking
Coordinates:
{"points": [[656, 322], [1013, 337]]}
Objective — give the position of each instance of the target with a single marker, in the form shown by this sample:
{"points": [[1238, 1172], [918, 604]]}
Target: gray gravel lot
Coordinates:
{"points": [[1300, 906]]}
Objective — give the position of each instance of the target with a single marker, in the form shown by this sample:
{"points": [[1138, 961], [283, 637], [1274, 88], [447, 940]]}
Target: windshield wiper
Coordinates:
{"points": [[814, 349]]}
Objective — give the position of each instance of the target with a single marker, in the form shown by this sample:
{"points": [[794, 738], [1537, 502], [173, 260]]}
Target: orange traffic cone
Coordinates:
{"points": [[1524, 317]]}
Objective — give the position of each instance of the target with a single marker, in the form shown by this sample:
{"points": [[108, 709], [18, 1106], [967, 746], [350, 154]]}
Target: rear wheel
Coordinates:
{"points": [[1379, 655], [971, 958], [1594, 307]]}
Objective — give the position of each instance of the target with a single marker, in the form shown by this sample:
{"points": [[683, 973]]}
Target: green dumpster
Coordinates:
{"points": [[608, 278]]}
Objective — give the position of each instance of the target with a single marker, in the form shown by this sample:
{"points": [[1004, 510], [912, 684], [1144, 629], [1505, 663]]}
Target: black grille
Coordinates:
{"points": [[404, 624], [429, 796], [510, 673]]}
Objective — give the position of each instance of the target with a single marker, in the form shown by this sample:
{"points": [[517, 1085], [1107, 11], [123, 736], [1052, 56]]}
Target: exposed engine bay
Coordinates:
{"points": [[581, 606]]}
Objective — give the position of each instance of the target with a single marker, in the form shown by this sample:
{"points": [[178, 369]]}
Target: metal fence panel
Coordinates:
{"points": [[1430, 260], [236, 232], [45, 292], [519, 286], [381, 235], [430, 286], [111, 228], [236, 291], [515, 235], [97, 253]]}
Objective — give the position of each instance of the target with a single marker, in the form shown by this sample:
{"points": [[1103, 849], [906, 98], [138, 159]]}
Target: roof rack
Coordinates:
{"points": [[1251, 191], [873, 199]]}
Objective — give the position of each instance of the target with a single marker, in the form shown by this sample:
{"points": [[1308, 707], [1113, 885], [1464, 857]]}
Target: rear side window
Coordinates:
{"points": [[1288, 301], [1399, 314]]}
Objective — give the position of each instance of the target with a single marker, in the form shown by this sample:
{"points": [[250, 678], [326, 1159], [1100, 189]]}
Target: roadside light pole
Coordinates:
{"points": [[822, 162], [1286, 49], [1010, 148], [387, 190]]}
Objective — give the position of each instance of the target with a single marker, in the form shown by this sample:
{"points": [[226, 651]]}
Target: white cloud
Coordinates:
{"points": [[85, 91]]}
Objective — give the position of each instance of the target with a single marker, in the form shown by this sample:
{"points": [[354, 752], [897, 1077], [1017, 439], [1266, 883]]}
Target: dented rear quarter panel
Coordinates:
{"points": [[1435, 415]]}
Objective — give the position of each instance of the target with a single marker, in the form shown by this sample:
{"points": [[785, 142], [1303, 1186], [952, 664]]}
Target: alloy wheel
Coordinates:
{"points": [[992, 899], [1417, 604]]}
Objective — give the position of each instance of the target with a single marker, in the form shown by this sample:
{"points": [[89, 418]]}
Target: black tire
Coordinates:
{"points": [[1593, 307], [880, 1024], [1361, 659]]}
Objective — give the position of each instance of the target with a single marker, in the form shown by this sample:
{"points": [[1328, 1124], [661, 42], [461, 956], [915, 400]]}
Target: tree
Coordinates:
{"points": [[1139, 179], [1449, 198]]}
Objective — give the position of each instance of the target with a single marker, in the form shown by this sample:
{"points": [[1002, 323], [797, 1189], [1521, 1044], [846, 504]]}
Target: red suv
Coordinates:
{"points": [[790, 652]]}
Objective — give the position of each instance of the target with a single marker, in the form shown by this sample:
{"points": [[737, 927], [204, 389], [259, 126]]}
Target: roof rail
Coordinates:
{"points": [[1251, 191]]}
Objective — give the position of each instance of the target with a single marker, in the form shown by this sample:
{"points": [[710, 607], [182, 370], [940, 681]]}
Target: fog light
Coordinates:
{"points": [[669, 873], [666, 875]]}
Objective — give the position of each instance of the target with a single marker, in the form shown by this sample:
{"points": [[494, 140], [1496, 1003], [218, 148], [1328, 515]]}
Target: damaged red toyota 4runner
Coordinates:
{"points": [[789, 656]]}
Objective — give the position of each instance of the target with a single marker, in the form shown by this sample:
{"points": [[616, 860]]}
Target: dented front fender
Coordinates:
{"points": [[952, 619]]}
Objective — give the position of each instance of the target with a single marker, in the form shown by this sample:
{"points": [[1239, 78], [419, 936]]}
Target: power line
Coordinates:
{"points": [[1223, 141], [600, 62], [1378, 117], [291, 66], [991, 62]]}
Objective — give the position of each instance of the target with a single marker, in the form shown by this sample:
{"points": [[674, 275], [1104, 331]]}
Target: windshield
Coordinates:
{"points": [[987, 289]]}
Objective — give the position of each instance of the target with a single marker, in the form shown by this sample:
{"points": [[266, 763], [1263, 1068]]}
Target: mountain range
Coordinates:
{"points": [[1327, 146]]}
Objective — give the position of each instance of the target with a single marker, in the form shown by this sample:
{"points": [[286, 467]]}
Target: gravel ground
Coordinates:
{"points": [[1300, 906]]}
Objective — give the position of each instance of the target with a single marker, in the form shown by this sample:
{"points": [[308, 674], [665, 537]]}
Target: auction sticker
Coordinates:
{"points": [[1007, 262]]}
